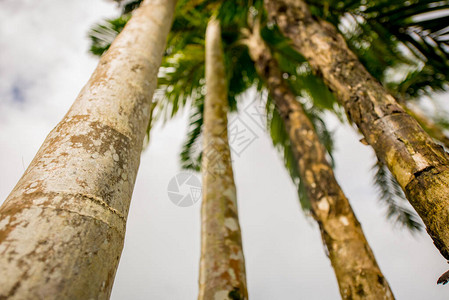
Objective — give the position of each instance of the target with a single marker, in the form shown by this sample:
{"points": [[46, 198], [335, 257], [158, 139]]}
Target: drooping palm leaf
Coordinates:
{"points": [[192, 149], [103, 34], [180, 79], [282, 144], [391, 195]]}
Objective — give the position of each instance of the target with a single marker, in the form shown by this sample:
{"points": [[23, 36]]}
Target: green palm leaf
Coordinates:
{"points": [[391, 195]]}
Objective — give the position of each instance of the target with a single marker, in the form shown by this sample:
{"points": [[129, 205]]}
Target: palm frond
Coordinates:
{"points": [[281, 142], [180, 79], [191, 152], [389, 35], [297, 72], [130, 5], [391, 195], [103, 34]]}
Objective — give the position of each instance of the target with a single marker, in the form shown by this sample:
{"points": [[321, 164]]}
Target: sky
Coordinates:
{"points": [[44, 63]]}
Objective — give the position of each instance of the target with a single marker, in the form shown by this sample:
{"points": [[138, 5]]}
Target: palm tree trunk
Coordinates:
{"points": [[222, 267], [62, 227], [419, 165], [430, 127], [356, 269]]}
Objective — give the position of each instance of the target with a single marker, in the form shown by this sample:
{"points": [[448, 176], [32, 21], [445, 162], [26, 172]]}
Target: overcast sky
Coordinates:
{"points": [[43, 65]]}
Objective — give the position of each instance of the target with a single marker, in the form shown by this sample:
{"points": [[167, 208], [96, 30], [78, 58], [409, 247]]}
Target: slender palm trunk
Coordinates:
{"points": [[62, 227], [222, 267], [419, 165], [356, 269]]}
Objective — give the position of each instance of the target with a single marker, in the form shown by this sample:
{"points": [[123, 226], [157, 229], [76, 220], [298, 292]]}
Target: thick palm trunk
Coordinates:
{"points": [[419, 165], [62, 227], [222, 267], [356, 269]]}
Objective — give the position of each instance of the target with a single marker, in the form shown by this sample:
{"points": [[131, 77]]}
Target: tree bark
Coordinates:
{"points": [[356, 269], [430, 127], [62, 227], [222, 266], [419, 165]]}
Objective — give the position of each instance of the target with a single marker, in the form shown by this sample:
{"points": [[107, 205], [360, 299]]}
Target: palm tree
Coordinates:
{"points": [[358, 275], [349, 287], [222, 266], [62, 227], [175, 95], [353, 261], [420, 166]]}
